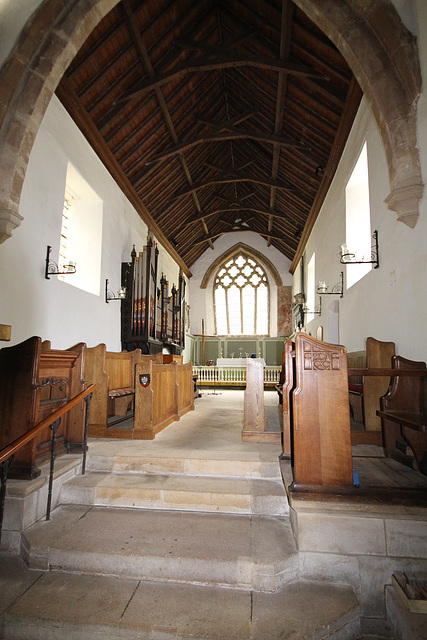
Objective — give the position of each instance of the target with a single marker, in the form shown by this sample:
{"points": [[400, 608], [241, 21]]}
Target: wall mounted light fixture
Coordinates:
{"points": [[349, 258], [52, 268], [109, 295], [337, 289]]}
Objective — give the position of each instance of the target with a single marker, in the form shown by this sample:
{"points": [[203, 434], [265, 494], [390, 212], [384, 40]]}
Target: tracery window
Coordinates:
{"points": [[241, 297]]}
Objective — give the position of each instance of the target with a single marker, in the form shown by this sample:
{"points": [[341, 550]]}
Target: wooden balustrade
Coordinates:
{"points": [[233, 376]]}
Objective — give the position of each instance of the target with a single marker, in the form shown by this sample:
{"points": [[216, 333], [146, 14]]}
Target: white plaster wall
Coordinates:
{"points": [[13, 16], [202, 299], [53, 309], [390, 302]]}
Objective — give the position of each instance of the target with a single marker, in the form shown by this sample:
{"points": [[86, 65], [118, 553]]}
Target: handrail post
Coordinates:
{"points": [[4, 468], [87, 401], [54, 428]]}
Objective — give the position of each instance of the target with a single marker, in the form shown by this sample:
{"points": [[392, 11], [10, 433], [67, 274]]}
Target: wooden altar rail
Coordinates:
{"points": [[233, 376], [163, 393]]}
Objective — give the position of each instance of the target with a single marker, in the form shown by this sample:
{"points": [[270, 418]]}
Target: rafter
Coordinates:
{"points": [[243, 207], [235, 134], [234, 177], [266, 234], [142, 51], [206, 63]]}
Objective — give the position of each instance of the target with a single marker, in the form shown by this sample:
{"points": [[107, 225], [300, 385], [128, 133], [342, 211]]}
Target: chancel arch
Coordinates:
{"points": [[365, 33]]}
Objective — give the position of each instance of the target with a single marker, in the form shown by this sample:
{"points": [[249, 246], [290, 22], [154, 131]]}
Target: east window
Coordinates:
{"points": [[241, 297]]}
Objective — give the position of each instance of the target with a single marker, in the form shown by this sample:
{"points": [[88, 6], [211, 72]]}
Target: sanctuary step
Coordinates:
{"points": [[57, 605], [132, 457], [247, 552], [180, 492]]}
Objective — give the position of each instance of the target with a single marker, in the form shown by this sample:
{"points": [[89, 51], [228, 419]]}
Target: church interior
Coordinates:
{"points": [[213, 408]]}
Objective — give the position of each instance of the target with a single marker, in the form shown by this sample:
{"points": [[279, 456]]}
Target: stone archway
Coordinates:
{"points": [[365, 33]]}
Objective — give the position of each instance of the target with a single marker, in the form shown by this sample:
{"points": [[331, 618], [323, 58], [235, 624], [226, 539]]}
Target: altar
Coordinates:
{"points": [[231, 362]]}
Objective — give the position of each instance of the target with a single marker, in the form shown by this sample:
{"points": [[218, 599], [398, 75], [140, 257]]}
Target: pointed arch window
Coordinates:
{"points": [[241, 297]]}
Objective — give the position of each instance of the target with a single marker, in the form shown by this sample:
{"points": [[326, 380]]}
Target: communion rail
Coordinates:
{"points": [[233, 376]]}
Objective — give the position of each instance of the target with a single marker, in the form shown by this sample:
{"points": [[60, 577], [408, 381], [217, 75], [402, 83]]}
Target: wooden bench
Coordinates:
{"points": [[35, 380], [365, 391], [167, 358], [403, 413], [316, 414], [163, 393], [114, 375]]}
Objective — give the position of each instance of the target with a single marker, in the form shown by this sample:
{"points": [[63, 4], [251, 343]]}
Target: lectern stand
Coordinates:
{"points": [[254, 425]]}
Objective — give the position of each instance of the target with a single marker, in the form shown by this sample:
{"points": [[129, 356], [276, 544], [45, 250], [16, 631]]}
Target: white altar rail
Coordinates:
{"points": [[233, 376]]}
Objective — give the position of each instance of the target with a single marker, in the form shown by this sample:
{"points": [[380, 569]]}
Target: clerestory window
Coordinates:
{"points": [[241, 297]]}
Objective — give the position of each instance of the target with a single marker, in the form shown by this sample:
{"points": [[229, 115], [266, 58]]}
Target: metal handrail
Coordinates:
{"points": [[17, 444], [53, 421]]}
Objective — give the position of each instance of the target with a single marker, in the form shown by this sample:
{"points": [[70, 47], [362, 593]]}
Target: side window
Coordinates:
{"points": [[81, 233], [358, 219]]}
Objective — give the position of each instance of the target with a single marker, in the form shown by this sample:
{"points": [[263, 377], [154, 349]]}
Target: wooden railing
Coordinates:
{"points": [[53, 421], [232, 376]]}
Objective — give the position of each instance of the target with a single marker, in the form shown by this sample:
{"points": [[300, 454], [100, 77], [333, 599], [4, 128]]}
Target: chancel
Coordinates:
{"points": [[212, 382]]}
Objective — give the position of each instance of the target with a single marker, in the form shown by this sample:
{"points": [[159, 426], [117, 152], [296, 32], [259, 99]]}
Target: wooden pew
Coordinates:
{"points": [[403, 413], [114, 375], [288, 384], [163, 393], [167, 358], [366, 391], [35, 380], [316, 414]]}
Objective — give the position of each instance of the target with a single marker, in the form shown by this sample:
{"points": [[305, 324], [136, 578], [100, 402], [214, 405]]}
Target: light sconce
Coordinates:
{"points": [[52, 268], [337, 289], [349, 258], [109, 295], [317, 311]]}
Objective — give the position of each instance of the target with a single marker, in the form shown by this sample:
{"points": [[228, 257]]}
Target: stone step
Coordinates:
{"points": [[87, 607], [188, 493], [131, 458], [241, 551]]}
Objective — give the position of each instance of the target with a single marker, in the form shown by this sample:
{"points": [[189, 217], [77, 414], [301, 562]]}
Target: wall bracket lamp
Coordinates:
{"points": [[109, 295], [349, 258], [52, 268], [337, 289]]}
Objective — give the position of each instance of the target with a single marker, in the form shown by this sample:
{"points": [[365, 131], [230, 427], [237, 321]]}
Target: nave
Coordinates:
{"points": [[188, 535], [192, 561]]}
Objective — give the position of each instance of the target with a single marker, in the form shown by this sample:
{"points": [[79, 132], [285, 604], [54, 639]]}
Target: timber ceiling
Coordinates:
{"points": [[214, 116]]}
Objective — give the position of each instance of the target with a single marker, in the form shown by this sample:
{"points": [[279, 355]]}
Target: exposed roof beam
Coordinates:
{"points": [[233, 177], [206, 63], [142, 51], [285, 47], [212, 236], [235, 134], [243, 207]]}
